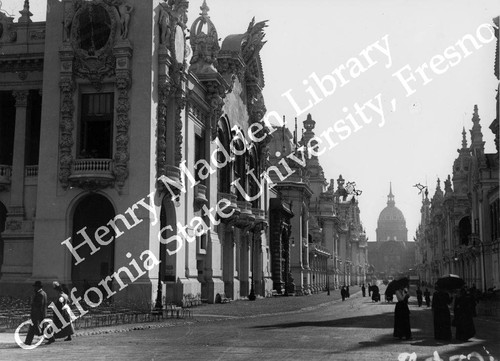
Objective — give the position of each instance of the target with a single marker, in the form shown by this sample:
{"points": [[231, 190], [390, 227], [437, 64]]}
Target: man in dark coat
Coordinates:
{"points": [[464, 311], [419, 296], [38, 312], [427, 296], [363, 290], [343, 293], [442, 320]]}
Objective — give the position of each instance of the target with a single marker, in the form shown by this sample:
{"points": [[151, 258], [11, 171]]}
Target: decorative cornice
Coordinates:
{"points": [[34, 62]]}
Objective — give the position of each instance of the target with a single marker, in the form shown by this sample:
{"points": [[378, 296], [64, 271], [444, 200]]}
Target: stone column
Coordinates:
{"points": [[245, 262], [16, 209], [228, 267]]}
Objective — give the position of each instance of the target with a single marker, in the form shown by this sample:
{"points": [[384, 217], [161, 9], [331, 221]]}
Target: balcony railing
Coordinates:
{"points": [[260, 214], [31, 171], [233, 204], [246, 215], [92, 166], [320, 250], [92, 173], [5, 174], [200, 193]]}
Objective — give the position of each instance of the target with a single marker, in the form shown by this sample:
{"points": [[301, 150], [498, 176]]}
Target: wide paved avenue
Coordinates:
{"points": [[356, 329]]}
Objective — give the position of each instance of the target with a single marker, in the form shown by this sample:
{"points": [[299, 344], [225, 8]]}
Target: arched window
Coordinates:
{"points": [[240, 173], [223, 173], [464, 230], [254, 187]]}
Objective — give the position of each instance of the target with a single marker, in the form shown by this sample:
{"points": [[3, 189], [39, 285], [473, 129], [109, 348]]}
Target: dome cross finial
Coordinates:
{"points": [[390, 196]]}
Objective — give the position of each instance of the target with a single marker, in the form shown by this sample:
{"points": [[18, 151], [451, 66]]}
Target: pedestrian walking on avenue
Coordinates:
{"points": [[62, 305], [375, 293], [38, 312], [369, 290], [402, 315], [441, 312], [419, 296], [427, 296], [363, 290], [464, 311], [347, 294], [343, 293]]}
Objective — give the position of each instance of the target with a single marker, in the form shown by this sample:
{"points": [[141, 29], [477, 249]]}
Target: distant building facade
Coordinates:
{"points": [[321, 243], [391, 254]]}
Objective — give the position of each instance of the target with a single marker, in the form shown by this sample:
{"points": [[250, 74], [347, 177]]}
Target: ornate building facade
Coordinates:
{"points": [[321, 243], [125, 152], [459, 231], [459, 228], [391, 254]]}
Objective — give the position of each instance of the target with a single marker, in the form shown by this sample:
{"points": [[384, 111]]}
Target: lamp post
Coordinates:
{"points": [[159, 294], [252, 296], [290, 243], [328, 276]]}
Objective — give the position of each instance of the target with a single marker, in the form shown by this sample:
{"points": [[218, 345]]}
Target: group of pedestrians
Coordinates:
{"points": [[427, 296], [464, 310], [39, 313]]}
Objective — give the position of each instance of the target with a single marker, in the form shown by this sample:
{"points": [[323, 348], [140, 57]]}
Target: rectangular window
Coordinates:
{"points": [[199, 153], [96, 126]]}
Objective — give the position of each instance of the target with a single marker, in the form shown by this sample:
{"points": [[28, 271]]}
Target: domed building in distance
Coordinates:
{"points": [[391, 255]]}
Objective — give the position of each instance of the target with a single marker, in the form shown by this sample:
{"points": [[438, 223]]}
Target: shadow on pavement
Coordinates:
{"points": [[384, 320]]}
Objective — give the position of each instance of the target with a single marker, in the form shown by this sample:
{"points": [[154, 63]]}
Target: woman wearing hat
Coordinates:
{"points": [[62, 306]]}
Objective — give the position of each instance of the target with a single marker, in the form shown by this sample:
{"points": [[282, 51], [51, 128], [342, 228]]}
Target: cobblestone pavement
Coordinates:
{"points": [[297, 328]]}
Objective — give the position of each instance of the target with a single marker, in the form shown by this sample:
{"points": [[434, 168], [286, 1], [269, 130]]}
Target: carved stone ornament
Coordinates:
{"points": [[21, 97], [181, 101], [205, 43], [216, 92], [173, 13], [122, 127], [66, 130], [254, 75], [13, 224], [171, 77], [164, 89], [231, 67], [7, 34], [93, 27]]}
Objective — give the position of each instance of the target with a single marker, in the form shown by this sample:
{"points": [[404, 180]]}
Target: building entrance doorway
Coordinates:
{"points": [[92, 212]]}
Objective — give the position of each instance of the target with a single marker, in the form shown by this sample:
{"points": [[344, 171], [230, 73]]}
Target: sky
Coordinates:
{"points": [[405, 138]]}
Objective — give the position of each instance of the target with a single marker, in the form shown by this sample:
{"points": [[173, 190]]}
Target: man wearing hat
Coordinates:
{"points": [[38, 312]]}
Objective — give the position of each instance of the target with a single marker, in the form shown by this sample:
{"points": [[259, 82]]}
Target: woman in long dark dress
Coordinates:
{"points": [[464, 311], [402, 315], [442, 320], [62, 305]]}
